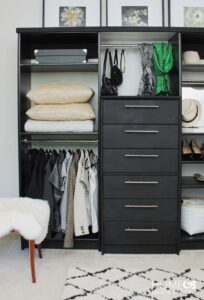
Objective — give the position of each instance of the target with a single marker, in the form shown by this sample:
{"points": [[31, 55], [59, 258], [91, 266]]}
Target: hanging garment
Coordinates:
{"points": [[28, 159], [93, 194], [65, 175], [81, 222], [84, 180], [147, 83], [69, 235], [163, 63], [48, 190], [35, 189], [56, 180]]}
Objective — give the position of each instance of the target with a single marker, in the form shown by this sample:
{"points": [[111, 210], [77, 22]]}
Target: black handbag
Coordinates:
{"points": [[116, 74], [108, 88]]}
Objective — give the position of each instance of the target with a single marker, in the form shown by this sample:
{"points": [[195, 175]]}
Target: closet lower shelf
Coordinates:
{"points": [[79, 243], [192, 241], [189, 182]]}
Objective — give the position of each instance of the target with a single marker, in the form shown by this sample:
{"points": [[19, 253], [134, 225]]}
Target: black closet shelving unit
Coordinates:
{"points": [[158, 216]]}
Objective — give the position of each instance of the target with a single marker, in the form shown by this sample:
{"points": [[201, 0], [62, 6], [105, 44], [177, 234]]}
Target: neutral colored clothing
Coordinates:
{"points": [[69, 235], [63, 205], [81, 222]]}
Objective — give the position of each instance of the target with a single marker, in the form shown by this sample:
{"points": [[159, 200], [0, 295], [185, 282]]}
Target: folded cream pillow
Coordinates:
{"points": [[63, 112], [60, 93]]}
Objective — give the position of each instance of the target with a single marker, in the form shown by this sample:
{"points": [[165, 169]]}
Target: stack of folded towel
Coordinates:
{"points": [[60, 107]]}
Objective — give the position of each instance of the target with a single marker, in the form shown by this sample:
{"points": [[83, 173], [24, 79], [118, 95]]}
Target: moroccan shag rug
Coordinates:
{"points": [[121, 284]]}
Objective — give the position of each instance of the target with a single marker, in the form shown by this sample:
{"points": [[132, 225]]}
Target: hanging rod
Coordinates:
{"points": [[59, 141], [134, 46]]}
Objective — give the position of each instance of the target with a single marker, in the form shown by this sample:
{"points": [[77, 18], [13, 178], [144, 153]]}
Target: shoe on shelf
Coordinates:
{"points": [[199, 177], [187, 153], [197, 151]]}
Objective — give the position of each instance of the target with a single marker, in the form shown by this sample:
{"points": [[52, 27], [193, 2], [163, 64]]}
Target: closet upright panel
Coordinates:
{"points": [[31, 75]]}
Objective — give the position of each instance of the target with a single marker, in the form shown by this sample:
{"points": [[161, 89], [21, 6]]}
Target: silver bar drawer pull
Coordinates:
{"points": [[141, 131], [141, 230], [141, 206], [141, 155], [141, 182], [141, 106]]}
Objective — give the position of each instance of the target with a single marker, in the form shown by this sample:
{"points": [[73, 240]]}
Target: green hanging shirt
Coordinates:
{"points": [[163, 62]]}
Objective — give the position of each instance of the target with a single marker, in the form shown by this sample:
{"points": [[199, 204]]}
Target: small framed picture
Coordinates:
{"points": [[71, 13], [138, 13], [186, 13]]}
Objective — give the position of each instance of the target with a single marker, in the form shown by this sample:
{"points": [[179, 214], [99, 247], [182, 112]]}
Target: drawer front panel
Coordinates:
{"points": [[144, 160], [140, 210], [128, 186], [140, 136], [140, 111], [140, 233]]}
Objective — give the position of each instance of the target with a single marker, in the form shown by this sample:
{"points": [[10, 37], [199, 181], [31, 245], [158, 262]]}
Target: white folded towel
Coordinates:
{"points": [[59, 126]]}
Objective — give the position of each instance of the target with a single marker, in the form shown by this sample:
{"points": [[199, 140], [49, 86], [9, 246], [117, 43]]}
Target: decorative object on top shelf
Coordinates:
{"points": [[139, 13], [186, 13], [72, 13]]}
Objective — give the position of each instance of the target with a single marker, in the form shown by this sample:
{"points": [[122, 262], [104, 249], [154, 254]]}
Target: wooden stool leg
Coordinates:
{"points": [[40, 251], [32, 259]]}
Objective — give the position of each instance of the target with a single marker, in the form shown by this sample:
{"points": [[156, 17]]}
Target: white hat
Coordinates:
{"points": [[191, 112], [191, 57]]}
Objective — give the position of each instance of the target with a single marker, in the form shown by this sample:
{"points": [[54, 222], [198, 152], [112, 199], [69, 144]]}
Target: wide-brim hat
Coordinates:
{"points": [[191, 112]]}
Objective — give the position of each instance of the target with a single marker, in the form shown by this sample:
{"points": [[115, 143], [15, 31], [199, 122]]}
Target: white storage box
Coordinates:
{"points": [[192, 216]]}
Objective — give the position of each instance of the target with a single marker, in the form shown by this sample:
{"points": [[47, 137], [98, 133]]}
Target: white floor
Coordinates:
{"points": [[15, 282]]}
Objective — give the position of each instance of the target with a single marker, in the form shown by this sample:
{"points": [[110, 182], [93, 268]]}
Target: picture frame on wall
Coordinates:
{"points": [[71, 13], [186, 13], [136, 13]]}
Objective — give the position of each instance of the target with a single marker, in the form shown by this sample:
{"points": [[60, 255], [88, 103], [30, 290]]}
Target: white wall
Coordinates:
{"points": [[13, 13], [21, 13]]}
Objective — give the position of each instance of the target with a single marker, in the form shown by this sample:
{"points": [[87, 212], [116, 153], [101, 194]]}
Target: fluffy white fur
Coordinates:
{"points": [[30, 217]]}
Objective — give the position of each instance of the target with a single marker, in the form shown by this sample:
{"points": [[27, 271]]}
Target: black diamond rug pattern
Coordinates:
{"points": [[121, 284]]}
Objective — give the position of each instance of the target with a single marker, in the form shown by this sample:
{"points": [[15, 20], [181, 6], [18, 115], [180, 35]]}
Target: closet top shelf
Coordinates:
{"points": [[107, 29]]}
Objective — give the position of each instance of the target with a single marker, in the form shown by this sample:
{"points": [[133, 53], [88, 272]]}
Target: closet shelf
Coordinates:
{"points": [[141, 97], [193, 162], [192, 131], [185, 237], [189, 182], [55, 136], [82, 67], [193, 68]]}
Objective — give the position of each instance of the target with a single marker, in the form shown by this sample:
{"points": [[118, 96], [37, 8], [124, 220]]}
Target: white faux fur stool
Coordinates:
{"points": [[29, 217]]}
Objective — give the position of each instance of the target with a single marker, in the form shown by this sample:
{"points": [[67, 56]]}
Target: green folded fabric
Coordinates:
{"points": [[163, 62]]}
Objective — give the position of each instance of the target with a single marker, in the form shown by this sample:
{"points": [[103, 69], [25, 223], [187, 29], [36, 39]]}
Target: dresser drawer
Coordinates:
{"points": [[140, 111], [124, 210], [144, 160], [140, 233], [140, 136], [127, 186]]}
